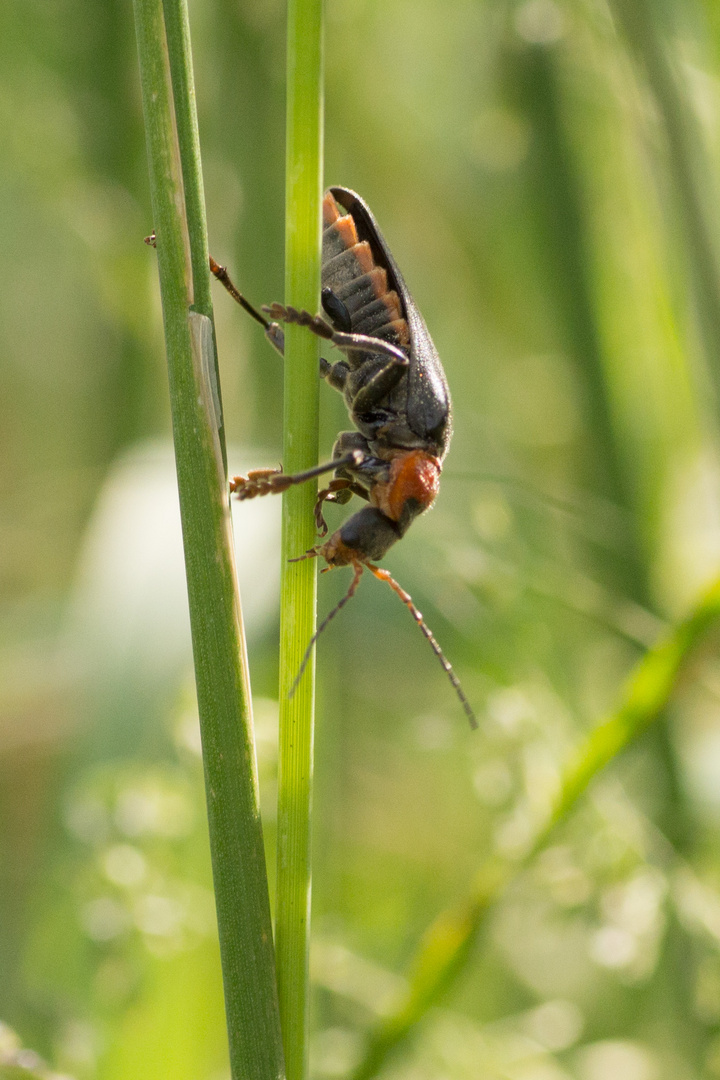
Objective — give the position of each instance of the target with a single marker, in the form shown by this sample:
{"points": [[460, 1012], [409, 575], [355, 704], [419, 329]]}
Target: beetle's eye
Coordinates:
{"points": [[337, 311]]}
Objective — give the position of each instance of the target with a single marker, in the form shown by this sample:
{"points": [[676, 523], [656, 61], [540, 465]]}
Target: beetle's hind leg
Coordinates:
{"points": [[336, 374], [273, 332], [348, 342]]}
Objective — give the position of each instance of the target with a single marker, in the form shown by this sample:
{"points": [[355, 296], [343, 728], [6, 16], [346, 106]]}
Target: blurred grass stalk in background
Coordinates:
{"points": [[447, 945], [304, 160], [236, 842]]}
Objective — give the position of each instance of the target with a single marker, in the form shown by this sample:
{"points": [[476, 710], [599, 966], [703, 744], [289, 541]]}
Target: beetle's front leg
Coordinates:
{"points": [[275, 481]]}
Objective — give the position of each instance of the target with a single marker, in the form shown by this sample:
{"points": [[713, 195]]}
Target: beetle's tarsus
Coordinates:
{"points": [[275, 481], [314, 323]]}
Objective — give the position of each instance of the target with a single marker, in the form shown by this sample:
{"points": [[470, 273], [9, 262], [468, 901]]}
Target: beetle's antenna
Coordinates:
{"points": [[383, 575], [328, 618]]}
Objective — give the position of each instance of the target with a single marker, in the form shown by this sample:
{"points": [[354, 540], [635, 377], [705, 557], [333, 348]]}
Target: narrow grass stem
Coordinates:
{"points": [[447, 943], [298, 597], [236, 843]]}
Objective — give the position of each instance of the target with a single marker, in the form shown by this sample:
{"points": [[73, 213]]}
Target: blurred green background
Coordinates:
{"points": [[547, 175]]}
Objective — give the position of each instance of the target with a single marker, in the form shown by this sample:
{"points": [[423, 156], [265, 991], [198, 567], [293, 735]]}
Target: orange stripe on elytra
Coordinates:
{"points": [[330, 209], [392, 303], [378, 280], [400, 327], [345, 228], [365, 261]]}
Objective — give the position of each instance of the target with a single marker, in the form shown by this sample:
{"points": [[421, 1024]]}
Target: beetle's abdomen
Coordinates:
{"points": [[361, 286]]}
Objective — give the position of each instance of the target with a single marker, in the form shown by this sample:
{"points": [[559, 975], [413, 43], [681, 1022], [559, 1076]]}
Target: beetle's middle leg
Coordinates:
{"points": [[338, 490], [335, 374], [345, 484], [377, 388]]}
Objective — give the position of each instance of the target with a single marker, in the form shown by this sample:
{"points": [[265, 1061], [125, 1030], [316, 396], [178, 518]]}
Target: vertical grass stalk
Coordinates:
{"points": [[236, 843], [299, 581]]}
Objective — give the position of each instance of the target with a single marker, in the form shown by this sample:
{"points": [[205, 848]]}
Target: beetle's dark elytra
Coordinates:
{"points": [[354, 260]]}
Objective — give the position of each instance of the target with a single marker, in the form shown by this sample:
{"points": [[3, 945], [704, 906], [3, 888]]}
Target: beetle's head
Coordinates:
{"points": [[366, 536]]}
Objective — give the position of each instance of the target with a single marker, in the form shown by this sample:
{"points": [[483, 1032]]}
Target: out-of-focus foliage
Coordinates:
{"points": [[547, 173]]}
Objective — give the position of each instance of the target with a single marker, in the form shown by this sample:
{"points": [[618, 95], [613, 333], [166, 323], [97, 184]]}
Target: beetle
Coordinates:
{"points": [[397, 396]]}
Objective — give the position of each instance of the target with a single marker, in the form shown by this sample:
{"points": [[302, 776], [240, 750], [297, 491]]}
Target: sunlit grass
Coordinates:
{"points": [[304, 162], [222, 679]]}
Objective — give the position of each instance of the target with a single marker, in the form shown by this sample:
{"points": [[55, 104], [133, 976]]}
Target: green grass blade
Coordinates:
{"points": [[302, 290], [447, 944], [181, 73], [236, 842]]}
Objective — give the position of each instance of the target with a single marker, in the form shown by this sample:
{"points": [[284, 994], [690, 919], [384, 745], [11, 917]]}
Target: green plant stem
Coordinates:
{"points": [[181, 73], [236, 843], [299, 580], [177, 29], [447, 944]]}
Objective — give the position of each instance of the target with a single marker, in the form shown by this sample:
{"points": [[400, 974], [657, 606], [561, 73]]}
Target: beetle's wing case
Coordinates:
{"points": [[368, 302], [424, 388]]}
